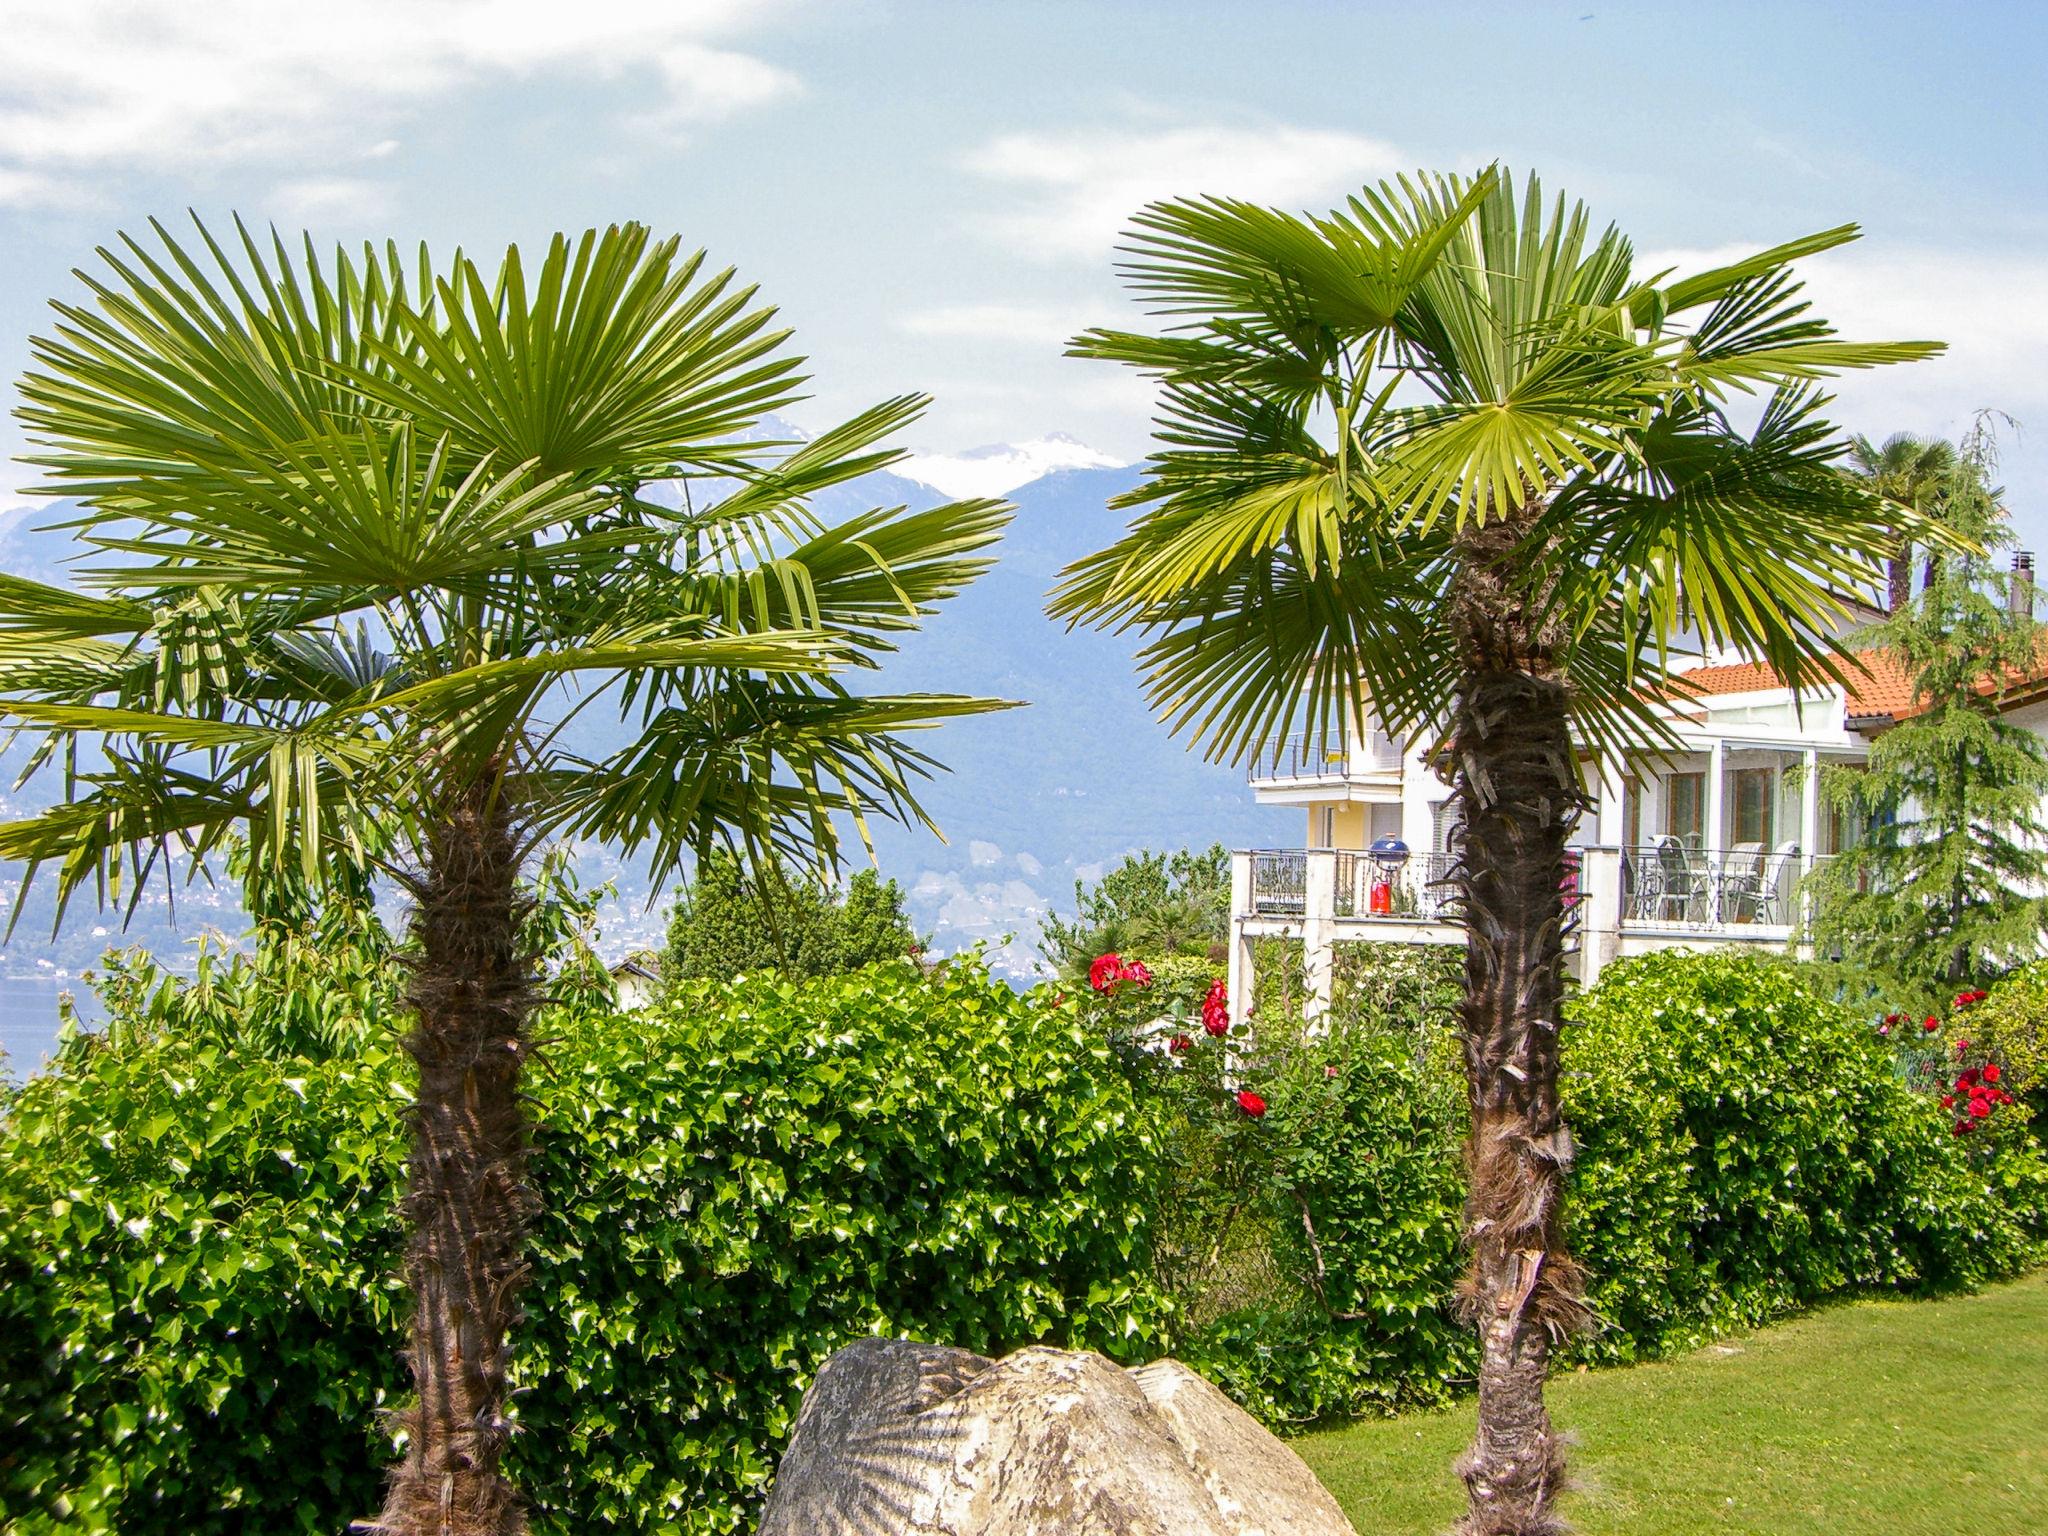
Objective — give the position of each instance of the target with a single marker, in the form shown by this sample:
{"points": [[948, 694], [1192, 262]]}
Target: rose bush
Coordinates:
{"points": [[1746, 1147]]}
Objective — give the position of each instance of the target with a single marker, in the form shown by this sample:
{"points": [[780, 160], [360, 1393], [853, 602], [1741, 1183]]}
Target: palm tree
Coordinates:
{"points": [[366, 548], [1910, 471], [1447, 451]]}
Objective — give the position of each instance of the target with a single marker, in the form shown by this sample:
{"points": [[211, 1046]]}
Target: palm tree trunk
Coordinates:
{"points": [[467, 1203], [1519, 792], [1898, 579]]}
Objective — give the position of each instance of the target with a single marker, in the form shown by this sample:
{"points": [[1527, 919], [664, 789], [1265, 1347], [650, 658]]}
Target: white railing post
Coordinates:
{"points": [[1714, 838], [1809, 838], [1319, 929], [1599, 911], [1242, 978], [1609, 817]]}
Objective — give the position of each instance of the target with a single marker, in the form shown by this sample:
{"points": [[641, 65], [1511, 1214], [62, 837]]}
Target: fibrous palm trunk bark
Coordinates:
{"points": [[1898, 579], [467, 1203], [1518, 787]]}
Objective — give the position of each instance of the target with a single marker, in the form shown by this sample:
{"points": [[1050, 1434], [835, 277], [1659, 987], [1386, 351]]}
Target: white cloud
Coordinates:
{"points": [[1002, 467], [1991, 308], [1002, 914], [1080, 187], [137, 84], [25, 189]]}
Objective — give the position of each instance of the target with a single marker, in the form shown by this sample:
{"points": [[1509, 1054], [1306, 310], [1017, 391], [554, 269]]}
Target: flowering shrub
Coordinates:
{"points": [[2008, 1027], [1745, 1147]]}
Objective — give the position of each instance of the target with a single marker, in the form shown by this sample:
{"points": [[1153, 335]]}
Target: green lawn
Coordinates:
{"points": [[1877, 1418]]}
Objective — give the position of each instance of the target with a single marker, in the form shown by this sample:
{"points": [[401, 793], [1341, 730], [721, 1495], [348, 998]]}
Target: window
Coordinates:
{"points": [[1685, 807], [1755, 799], [1443, 825], [1322, 822]]}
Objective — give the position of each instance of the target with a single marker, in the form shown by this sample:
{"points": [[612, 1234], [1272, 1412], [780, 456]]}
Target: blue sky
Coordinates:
{"points": [[931, 191]]}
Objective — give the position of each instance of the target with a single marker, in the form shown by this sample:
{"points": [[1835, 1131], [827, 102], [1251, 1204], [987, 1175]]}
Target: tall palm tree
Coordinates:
{"points": [[1448, 451], [1910, 471], [366, 546]]}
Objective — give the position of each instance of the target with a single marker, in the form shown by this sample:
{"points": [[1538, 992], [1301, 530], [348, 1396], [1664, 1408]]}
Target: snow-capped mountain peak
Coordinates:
{"points": [[1002, 467]]}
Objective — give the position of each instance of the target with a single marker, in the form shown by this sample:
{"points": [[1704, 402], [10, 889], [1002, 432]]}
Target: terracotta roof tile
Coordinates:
{"points": [[1884, 687]]}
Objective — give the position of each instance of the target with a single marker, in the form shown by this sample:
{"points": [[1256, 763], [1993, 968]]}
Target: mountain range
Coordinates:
{"points": [[1036, 799]]}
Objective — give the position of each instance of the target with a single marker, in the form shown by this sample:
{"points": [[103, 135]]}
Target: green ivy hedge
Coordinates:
{"points": [[1777, 1124], [198, 1322]]}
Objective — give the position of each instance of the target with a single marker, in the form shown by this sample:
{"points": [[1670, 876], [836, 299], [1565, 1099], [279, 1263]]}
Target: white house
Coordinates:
{"points": [[1703, 844]]}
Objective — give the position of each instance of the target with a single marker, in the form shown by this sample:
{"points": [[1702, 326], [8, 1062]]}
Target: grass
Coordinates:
{"points": [[1873, 1418]]}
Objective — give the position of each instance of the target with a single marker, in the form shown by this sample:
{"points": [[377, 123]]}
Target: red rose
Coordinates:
{"points": [[1216, 1007], [1948, 1101], [1251, 1103], [1891, 1018], [1105, 971], [1992, 1072], [2004, 1097], [1961, 1046], [1932, 1024], [1180, 1043], [1136, 972], [1979, 1108], [1963, 1127], [1966, 1077]]}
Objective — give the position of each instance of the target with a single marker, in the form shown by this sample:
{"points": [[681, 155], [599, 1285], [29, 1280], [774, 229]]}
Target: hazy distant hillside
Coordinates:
{"points": [[1038, 796]]}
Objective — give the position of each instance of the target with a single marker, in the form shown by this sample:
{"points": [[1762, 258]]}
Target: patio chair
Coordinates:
{"points": [[1780, 879], [1674, 887], [1743, 891]]}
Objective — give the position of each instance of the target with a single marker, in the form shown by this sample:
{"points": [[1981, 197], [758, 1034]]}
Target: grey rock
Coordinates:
{"points": [[900, 1439]]}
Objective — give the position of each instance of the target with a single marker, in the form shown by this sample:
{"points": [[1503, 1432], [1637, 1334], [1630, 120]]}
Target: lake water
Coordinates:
{"points": [[28, 1018]]}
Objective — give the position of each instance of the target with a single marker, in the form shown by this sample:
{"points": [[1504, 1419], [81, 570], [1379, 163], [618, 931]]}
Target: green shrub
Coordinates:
{"points": [[732, 921], [198, 1321], [1364, 1127], [1746, 1147], [1725, 1083]]}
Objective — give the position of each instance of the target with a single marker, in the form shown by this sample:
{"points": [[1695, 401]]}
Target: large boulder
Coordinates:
{"points": [[899, 1439]]}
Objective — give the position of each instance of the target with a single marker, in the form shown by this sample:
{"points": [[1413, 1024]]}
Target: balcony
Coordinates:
{"points": [[1365, 890], [1627, 901], [1745, 891], [1312, 758]]}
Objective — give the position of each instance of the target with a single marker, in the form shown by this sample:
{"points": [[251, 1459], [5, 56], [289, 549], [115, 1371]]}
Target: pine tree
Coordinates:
{"points": [[1945, 889]]}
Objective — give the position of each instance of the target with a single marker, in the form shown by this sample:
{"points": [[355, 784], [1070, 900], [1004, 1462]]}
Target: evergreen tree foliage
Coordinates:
{"points": [[1943, 891], [1151, 904], [730, 924]]}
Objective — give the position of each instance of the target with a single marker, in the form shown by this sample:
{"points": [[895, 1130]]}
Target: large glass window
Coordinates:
{"points": [[1755, 801], [1685, 807]]}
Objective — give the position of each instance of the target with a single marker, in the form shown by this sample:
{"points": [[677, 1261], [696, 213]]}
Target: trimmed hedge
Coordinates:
{"points": [[198, 1322], [1781, 1128]]}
